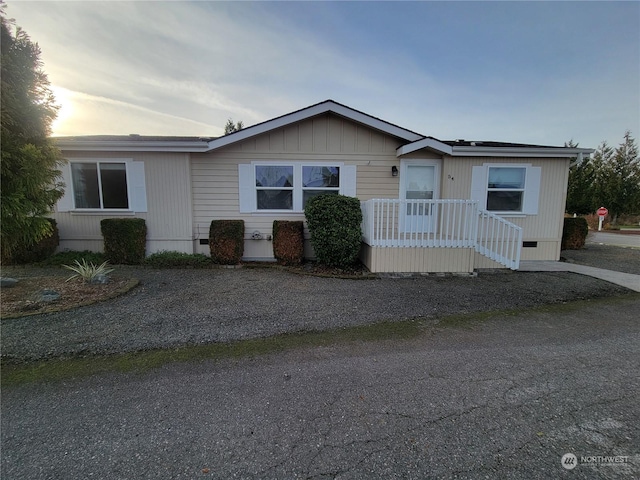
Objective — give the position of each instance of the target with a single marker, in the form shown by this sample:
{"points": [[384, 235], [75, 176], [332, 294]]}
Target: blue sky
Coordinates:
{"points": [[531, 72]]}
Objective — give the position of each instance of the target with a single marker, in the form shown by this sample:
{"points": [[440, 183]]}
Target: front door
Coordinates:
{"points": [[418, 181]]}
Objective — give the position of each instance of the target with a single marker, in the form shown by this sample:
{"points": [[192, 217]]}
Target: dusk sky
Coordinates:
{"points": [[529, 72]]}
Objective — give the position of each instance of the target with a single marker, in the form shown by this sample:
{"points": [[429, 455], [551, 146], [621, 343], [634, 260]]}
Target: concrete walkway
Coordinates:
{"points": [[626, 280]]}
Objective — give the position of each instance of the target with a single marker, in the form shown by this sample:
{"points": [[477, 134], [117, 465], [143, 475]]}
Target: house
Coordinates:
{"points": [[428, 205]]}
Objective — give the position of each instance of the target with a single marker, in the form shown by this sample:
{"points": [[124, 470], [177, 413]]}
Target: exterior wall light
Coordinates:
{"points": [[394, 171]]}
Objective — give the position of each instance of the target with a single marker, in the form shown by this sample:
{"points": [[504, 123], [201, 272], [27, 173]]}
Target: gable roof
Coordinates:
{"points": [[415, 141], [328, 106]]}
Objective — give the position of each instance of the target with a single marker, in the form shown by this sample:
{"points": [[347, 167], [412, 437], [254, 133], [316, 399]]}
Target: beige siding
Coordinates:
{"points": [[169, 212], [413, 259], [546, 226], [324, 138]]}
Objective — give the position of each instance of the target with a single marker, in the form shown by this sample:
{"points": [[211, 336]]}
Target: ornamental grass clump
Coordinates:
{"points": [[89, 272]]}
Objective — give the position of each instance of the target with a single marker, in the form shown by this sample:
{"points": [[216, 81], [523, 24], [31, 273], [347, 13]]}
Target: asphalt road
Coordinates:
{"points": [[503, 397], [617, 239]]}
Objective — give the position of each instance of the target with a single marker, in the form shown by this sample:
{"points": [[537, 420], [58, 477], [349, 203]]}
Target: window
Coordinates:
{"points": [[289, 186], [507, 188], [505, 192], [100, 185], [319, 180], [103, 185], [274, 187]]}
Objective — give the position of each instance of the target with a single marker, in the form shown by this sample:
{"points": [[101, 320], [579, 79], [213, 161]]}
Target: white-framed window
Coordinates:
{"points": [[508, 189], [288, 186], [103, 185], [505, 189], [100, 185]]}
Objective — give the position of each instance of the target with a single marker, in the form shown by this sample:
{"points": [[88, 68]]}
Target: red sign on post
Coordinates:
{"points": [[602, 212]]}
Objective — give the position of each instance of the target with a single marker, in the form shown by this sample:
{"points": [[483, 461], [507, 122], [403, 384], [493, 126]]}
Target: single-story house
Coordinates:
{"points": [[428, 205]]}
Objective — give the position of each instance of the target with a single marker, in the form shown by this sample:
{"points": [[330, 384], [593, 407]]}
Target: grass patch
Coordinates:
{"points": [[140, 362], [72, 368]]}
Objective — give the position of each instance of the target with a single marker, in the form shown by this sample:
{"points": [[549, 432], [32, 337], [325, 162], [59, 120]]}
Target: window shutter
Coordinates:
{"points": [[532, 191], [138, 200], [246, 188], [479, 186], [348, 180], [65, 204]]}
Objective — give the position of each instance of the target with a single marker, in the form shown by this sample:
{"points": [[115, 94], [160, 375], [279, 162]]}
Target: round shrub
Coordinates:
{"points": [[335, 226]]}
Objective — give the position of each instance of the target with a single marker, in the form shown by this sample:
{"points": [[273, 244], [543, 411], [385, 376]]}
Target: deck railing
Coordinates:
{"points": [[441, 224]]}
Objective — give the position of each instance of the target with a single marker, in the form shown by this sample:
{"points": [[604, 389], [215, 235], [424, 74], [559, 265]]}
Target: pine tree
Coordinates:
{"points": [[231, 127], [29, 159]]}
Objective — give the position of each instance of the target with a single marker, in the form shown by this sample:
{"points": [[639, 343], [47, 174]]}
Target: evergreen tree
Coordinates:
{"points": [[620, 180], [581, 188], [29, 159], [231, 127]]}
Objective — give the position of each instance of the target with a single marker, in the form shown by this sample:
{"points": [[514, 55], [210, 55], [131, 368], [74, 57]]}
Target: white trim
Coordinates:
{"points": [[430, 143], [549, 152], [530, 192], [130, 146], [324, 107], [250, 204], [136, 199]]}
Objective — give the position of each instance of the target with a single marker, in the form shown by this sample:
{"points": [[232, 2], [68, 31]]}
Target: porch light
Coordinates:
{"points": [[394, 171]]}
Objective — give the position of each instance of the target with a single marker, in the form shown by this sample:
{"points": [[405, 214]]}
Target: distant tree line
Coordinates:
{"points": [[609, 178]]}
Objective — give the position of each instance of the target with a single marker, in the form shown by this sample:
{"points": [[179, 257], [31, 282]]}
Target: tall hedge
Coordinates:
{"points": [[226, 241], [574, 233], [335, 226], [125, 240], [288, 241], [40, 251]]}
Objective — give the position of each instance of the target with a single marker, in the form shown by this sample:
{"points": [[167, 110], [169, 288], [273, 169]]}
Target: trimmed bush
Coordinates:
{"points": [[226, 241], [574, 233], [173, 259], [335, 225], [41, 250], [288, 241], [125, 240]]}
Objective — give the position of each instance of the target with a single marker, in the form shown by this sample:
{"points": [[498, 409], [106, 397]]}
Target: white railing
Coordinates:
{"points": [[499, 239], [441, 223]]}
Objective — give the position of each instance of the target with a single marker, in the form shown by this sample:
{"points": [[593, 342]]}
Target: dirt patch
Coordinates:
{"points": [[22, 299]]}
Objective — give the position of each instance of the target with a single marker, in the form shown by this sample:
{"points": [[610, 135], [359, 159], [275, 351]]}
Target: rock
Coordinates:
{"points": [[100, 279], [6, 282], [47, 296]]}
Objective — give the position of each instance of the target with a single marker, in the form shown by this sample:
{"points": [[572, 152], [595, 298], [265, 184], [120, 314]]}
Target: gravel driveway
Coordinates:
{"points": [[179, 307]]}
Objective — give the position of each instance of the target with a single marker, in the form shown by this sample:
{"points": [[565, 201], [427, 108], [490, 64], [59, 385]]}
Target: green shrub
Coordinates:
{"points": [[574, 233], [288, 241], [172, 259], [67, 258], [226, 241], [125, 240], [335, 225], [41, 250]]}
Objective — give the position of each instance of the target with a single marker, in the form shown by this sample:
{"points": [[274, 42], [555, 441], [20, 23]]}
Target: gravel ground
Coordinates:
{"points": [[619, 259], [179, 307]]}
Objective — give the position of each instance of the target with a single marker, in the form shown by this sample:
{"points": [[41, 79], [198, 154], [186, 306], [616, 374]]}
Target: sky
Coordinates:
{"points": [[527, 72]]}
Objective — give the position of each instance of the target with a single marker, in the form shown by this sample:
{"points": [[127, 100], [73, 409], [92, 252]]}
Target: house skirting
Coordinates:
{"points": [[418, 259]]}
